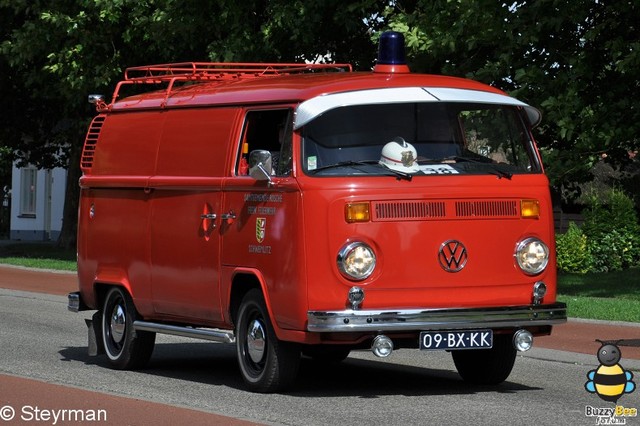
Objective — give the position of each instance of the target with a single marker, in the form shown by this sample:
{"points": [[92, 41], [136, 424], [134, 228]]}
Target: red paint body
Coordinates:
{"points": [[155, 165]]}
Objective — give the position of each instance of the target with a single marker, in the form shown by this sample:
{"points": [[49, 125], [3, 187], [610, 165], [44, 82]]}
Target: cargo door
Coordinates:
{"points": [[186, 206]]}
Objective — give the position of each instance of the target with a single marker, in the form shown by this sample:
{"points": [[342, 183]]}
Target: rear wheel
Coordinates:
{"points": [[126, 348], [487, 366], [266, 363]]}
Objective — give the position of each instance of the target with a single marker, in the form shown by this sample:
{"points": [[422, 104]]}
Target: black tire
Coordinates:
{"points": [[326, 354], [266, 363], [125, 348], [487, 366]]}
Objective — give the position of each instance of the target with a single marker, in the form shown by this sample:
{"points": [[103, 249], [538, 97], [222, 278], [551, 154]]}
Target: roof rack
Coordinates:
{"points": [[215, 71]]}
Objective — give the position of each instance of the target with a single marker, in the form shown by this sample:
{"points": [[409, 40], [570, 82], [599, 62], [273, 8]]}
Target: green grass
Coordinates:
{"points": [[600, 308], [613, 296], [59, 265], [38, 255]]}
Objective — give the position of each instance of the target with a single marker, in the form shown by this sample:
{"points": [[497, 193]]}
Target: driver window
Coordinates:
{"points": [[268, 130]]}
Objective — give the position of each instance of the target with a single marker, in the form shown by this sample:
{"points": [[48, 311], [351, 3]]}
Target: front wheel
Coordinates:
{"points": [[487, 366], [126, 348], [266, 363]]}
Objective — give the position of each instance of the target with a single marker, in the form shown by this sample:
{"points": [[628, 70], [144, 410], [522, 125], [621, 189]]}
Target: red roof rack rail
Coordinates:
{"points": [[215, 71]]}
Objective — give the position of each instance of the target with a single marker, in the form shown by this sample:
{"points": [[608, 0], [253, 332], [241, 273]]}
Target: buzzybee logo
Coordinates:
{"points": [[610, 381]]}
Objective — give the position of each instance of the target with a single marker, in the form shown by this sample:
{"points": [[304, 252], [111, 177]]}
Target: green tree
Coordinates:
{"points": [[52, 54], [576, 60]]}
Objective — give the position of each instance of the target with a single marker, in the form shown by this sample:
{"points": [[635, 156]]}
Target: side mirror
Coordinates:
{"points": [[260, 167]]}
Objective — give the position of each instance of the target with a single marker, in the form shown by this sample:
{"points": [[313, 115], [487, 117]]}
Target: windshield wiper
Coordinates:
{"points": [[495, 170], [462, 159], [354, 164], [343, 164], [500, 173], [398, 174]]}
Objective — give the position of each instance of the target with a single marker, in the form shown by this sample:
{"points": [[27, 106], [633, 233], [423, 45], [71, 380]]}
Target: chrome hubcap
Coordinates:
{"points": [[256, 341], [117, 324]]}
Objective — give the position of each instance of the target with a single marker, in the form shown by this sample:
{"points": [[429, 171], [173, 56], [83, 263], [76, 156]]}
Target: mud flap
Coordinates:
{"points": [[95, 345]]}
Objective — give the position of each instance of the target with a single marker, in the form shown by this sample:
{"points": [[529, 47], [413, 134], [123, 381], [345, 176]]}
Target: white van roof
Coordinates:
{"points": [[314, 107]]}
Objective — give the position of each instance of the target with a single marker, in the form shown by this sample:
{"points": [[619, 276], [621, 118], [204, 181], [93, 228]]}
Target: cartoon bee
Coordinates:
{"points": [[609, 381]]}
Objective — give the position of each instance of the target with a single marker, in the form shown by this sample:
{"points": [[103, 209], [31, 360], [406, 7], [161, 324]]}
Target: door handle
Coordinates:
{"points": [[208, 227], [228, 217]]}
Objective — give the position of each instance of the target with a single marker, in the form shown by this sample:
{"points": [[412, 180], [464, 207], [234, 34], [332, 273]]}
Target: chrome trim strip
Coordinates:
{"points": [[221, 336], [435, 319]]}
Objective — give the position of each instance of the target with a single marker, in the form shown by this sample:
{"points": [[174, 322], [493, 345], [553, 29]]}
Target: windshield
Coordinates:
{"points": [[448, 138]]}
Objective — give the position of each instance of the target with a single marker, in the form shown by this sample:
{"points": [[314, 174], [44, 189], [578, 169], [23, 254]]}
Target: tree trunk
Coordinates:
{"points": [[68, 233]]}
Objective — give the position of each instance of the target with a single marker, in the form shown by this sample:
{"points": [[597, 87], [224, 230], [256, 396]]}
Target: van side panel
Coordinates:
{"points": [[113, 217], [195, 142], [128, 145], [114, 247], [185, 246]]}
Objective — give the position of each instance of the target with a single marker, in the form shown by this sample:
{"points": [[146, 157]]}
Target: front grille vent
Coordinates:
{"points": [[482, 209], [408, 210]]}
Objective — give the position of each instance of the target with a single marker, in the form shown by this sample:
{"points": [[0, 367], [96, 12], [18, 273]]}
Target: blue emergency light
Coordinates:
{"points": [[391, 49], [391, 56]]}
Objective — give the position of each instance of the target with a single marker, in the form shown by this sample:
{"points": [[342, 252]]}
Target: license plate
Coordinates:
{"points": [[456, 340]]}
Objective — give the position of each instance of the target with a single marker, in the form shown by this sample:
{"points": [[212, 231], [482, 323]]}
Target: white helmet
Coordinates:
{"points": [[400, 155]]}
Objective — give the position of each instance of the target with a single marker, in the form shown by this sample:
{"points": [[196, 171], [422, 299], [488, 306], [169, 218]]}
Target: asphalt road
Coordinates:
{"points": [[41, 340]]}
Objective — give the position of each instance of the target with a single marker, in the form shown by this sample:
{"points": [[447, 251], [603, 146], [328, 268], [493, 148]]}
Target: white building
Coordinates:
{"points": [[37, 203]]}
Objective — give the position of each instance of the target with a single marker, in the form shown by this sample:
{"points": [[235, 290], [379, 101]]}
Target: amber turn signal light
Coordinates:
{"points": [[356, 212], [529, 209]]}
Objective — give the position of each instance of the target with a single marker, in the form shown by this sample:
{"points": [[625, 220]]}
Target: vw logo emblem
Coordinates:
{"points": [[452, 256]]}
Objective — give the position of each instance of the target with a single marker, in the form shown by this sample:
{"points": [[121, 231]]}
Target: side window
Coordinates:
{"points": [[267, 130]]}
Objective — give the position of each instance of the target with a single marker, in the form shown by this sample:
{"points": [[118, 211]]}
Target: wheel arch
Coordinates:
{"points": [[125, 347], [101, 288], [242, 282]]}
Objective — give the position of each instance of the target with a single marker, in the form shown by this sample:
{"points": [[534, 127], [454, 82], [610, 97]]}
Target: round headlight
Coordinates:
{"points": [[356, 261], [532, 256]]}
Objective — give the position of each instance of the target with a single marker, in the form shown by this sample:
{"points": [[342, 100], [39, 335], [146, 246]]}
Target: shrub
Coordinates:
{"points": [[573, 253], [606, 253], [615, 211], [615, 250], [612, 231]]}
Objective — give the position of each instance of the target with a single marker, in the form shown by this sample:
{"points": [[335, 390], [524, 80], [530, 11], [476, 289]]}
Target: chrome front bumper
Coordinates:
{"points": [[436, 319]]}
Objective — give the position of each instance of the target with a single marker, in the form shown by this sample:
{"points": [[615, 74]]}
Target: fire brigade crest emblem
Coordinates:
{"points": [[407, 158], [261, 226]]}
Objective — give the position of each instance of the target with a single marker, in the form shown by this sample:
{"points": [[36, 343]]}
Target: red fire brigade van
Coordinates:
{"points": [[308, 210]]}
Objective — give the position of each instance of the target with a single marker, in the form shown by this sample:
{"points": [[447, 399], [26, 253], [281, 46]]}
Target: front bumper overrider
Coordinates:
{"points": [[350, 320]]}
